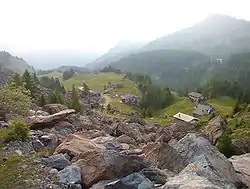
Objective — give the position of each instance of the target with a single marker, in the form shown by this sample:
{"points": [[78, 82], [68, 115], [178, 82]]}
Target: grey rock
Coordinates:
{"points": [[58, 161], [242, 167], [53, 171], [3, 124], [37, 145], [50, 140], [19, 152], [215, 128], [156, 175], [113, 145], [132, 181], [70, 175], [205, 167]]}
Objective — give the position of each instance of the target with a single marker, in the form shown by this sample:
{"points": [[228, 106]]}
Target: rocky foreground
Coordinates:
{"points": [[109, 153]]}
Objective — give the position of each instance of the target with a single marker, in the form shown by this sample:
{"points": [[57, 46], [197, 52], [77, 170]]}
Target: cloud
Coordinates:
{"points": [[96, 25]]}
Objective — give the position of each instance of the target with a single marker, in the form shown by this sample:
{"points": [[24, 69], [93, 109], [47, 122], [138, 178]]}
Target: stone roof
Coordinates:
{"points": [[195, 94], [184, 117]]}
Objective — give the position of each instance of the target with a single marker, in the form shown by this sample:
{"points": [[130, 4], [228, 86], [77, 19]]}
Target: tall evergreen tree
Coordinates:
{"points": [[75, 104], [17, 80], [42, 100]]}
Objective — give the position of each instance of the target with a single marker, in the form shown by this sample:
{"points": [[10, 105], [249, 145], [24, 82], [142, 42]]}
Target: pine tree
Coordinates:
{"points": [[236, 107], [52, 98], [29, 82], [75, 104], [35, 79], [42, 100], [17, 80]]}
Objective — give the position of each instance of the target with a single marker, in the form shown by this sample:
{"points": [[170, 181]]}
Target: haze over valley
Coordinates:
{"points": [[128, 94]]}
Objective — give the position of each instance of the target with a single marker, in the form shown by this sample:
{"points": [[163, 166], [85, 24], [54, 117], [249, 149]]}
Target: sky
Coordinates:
{"points": [[97, 25]]}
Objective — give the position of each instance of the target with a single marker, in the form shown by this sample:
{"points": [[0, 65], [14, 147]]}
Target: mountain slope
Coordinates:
{"points": [[122, 49], [175, 68], [13, 63], [218, 35]]}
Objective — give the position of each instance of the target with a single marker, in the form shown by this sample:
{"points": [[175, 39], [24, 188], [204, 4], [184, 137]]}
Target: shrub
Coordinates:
{"points": [[225, 144], [15, 99], [17, 130], [211, 116]]}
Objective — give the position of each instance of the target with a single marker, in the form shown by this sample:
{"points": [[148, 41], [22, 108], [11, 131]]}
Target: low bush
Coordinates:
{"points": [[17, 130]]}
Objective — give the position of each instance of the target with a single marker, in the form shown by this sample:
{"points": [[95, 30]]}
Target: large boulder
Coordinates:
{"points": [[215, 128], [205, 167], [108, 165], [163, 156], [242, 167], [41, 122], [70, 175], [58, 161], [77, 147], [132, 181], [54, 108], [63, 129], [156, 175]]}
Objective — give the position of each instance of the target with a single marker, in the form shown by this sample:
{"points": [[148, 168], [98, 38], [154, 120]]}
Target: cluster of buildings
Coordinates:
{"points": [[202, 108]]}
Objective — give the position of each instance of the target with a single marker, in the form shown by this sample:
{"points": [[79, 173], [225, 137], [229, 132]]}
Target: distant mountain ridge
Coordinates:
{"points": [[13, 63], [174, 68], [120, 50], [54, 59], [216, 36]]}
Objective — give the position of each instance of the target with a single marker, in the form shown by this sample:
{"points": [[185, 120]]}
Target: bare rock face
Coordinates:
{"points": [[54, 108], [41, 122], [242, 167], [62, 130], [205, 167], [78, 147], [215, 128], [163, 156], [108, 165]]}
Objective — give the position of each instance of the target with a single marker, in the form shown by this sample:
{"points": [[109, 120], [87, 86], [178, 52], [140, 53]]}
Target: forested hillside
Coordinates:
{"points": [[174, 68], [120, 50], [13, 63], [216, 36]]}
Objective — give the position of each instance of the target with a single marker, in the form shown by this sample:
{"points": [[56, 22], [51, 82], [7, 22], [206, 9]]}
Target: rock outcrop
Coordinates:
{"points": [[42, 122], [108, 165], [78, 147], [54, 108], [242, 167], [215, 128], [205, 166]]}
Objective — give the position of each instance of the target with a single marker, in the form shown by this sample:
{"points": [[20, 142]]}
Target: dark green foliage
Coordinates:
{"points": [[236, 107], [56, 97], [175, 68], [225, 144], [111, 69], [17, 130], [35, 78], [75, 104], [109, 108], [211, 116], [14, 99], [29, 82], [68, 74], [17, 80], [155, 97], [52, 83], [42, 100]]}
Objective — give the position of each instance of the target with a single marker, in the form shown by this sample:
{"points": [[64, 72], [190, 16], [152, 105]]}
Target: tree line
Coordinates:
{"points": [[153, 97]]}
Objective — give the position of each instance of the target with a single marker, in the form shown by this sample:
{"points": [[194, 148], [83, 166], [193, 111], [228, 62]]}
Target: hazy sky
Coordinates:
{"points": [[96, 25]]}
